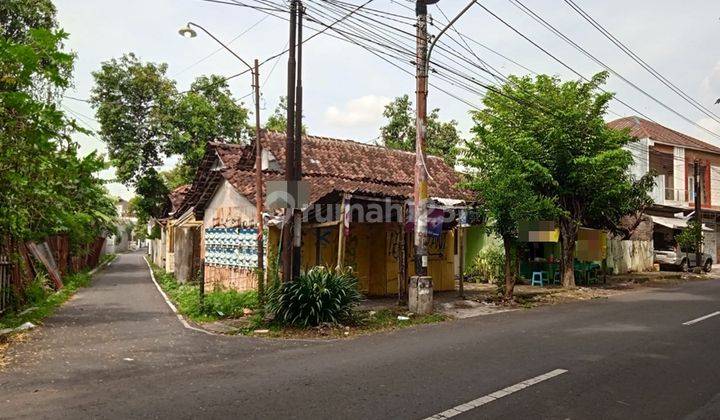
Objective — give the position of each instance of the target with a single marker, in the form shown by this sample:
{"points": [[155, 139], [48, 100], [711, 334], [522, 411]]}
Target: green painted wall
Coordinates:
{"points": [[476, 239]]}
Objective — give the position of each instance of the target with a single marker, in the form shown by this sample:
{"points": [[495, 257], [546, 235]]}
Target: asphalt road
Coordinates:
{"points": [[117, 351]]}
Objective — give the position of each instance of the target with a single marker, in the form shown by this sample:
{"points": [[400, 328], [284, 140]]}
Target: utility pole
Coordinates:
{"points": [[287, 234], [188, 32], [420, 191], [297, 213], [420, 290], [698, 216], [258, 184]]}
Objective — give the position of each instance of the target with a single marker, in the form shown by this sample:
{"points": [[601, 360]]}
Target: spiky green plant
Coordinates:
{"points": [[319, 295]]}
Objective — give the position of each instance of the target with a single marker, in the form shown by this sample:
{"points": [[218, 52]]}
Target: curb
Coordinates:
{"points": [[182, 319], [101, 266]]}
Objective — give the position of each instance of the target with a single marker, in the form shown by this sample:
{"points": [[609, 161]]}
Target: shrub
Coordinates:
{"points": [[319, 295], [217, 304], [489, 263], [229, 303]]}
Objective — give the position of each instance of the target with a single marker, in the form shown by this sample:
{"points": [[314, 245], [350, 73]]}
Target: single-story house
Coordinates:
{"points": [[355, 215]]}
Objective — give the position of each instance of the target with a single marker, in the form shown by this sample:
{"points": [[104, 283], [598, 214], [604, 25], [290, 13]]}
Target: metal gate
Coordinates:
{"points": [[5, 284]]}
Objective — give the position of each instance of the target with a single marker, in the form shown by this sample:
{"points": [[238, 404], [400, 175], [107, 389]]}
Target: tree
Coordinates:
{"points": [[207, 112], [45, 187], [175, 177], [504, 180], [278, 120], [399, 133], [690, 239], [581, 162], [133, 103]]}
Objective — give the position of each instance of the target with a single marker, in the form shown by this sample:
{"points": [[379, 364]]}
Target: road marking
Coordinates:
{"points": [[702, 318], [170, 304], [452, 412]]}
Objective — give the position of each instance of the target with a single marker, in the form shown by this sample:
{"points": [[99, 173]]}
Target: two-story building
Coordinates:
{"points": [[672, 155]]}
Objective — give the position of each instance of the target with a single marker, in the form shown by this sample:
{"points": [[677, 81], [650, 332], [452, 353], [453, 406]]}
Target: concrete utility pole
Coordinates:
{"points": [[287, 234], [420, 292], [258, 184], [698, 216], [188, 32], [297, 213], [420, 190]]}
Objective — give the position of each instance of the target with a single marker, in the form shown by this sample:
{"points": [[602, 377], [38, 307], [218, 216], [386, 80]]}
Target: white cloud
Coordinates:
{"points": [[363, 111]]}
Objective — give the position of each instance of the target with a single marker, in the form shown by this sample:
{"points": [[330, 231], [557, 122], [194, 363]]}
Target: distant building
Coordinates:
{"points": [[671, 155]]}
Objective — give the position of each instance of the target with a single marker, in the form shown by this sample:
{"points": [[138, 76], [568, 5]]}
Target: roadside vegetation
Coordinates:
{"points": [[41, 299], [555, 159], [322, 303], [216, 305]]}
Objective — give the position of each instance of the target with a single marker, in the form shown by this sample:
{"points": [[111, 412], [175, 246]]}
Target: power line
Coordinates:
{"points": [[558, 33], [642, 62]]}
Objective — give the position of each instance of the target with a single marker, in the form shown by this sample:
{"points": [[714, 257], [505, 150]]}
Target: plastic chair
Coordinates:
{"points": [[538, 277]]}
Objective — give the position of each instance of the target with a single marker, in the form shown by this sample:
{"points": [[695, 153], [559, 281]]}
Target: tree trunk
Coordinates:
{"points": [[508, 269], [568, 237]]}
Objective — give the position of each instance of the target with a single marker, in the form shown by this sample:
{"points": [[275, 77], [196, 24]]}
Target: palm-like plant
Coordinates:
{"points": [[319, 295]]}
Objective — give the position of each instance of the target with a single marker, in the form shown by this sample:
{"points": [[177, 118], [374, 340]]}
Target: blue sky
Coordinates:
{"points": [[347, 87]]}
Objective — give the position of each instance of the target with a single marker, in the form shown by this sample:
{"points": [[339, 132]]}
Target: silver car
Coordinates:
{"points": [[682, 260]]}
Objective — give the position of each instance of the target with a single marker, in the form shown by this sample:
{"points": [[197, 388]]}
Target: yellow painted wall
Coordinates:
{"points": [[372, 251]]}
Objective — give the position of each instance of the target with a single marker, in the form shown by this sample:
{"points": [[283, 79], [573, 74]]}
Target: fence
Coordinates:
{"points": [[5, 283]]}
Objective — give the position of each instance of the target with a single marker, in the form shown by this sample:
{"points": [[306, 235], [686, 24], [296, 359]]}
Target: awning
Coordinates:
{"points": [[674, 223]]}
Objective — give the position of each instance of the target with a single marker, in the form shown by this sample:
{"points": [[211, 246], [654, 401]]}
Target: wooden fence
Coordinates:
{"points": [[5, 283], [18, 272]]}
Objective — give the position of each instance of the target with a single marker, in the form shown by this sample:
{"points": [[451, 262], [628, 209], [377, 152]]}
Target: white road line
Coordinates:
{"points": [[702, 318], [170, 304], [452, 412]]}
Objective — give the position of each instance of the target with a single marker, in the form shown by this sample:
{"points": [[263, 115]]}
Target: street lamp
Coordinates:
{"points": [[188, 32]]}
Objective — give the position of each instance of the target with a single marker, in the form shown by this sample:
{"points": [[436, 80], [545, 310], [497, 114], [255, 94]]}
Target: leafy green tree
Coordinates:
{"points": [[175, 177], [133, 102], [580, 162], [19, 17], [278, 120], [45, 187], [153, 195], [208, 112], [505, 181], [399, 133], [691, 237]]}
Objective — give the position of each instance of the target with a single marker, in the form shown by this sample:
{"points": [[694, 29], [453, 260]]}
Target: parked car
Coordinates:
{"points": [[683, 261]]}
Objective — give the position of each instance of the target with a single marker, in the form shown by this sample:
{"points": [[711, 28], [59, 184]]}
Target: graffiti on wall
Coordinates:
{"points": [[436, 245], [393, 244]]}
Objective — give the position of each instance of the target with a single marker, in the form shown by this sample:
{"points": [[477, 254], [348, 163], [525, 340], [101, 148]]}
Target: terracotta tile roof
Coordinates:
{"points": [[329, 166], [177, 196], [353, 167], [642, 128], [206, 180]]}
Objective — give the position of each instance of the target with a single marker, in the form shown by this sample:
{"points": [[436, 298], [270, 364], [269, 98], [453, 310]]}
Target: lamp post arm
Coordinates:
{"points": [[450, 24], [223, 45]]}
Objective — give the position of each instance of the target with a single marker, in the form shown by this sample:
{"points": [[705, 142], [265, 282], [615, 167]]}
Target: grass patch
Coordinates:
{"points": [[42, 301], [363, 322], [217, 305]]}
